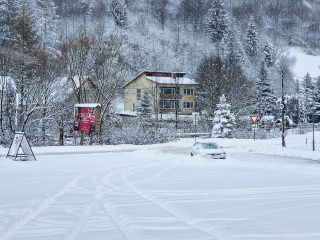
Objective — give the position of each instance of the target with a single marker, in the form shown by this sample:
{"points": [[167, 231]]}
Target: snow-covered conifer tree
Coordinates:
{"points": [[251, 38], [266, 98], [317, 99], [8, 11], [119, 11], [24, 32], [307, 88], [216, 21], [224, 120], [267, 52], [147, 128], [231, 47], [45, 18], [145, 109]]}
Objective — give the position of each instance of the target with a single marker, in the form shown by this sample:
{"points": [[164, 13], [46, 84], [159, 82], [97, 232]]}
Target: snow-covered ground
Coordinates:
{"points": [[261, 191]]}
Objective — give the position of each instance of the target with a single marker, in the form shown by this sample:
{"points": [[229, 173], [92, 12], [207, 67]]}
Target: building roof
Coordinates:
{"points": [[165, 77], [170, 80]]}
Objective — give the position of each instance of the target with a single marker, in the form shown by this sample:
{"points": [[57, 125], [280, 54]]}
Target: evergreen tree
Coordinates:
{"points": [[216, 21], [266, 98], [267, 52], [8, 11], [230, 46], [147, 126], [294, 104], [45, 18], [307, 88], [24, 33], [251, 39], [224, 120], [119, 11], [317, 99], [145, 109]]}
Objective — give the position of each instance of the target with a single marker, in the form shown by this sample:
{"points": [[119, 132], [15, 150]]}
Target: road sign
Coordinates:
{"points": [[254, 126], [254, 119]]}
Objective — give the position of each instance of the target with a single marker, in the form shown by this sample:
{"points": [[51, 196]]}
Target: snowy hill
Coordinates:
{"points": [[305, 63]]}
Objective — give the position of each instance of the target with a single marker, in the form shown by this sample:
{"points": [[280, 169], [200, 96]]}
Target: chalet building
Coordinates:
{"points": [[168, 92]]}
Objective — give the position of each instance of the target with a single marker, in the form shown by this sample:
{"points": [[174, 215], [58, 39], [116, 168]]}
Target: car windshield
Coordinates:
{"points": [[209, 145]]}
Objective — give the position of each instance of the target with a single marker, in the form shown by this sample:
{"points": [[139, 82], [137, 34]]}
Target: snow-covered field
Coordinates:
{"points": [[261, 191]]}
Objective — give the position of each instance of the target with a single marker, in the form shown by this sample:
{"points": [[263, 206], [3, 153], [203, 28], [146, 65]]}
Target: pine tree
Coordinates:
{"points": [[317, 99], [267, 52], [145, 109], [8, 11], [224, 120], [266, 98], [119, 11], [230, 46], [216, 21], [307, 88], [147, 127], [251, 39], [24, 33], [45, 18]]}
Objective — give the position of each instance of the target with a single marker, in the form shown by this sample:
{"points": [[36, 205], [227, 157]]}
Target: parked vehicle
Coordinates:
{"points": [[208, 149]]}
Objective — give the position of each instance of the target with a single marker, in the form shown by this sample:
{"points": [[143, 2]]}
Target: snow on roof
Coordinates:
{"points": [[88, 105], [128, 113], [170, 80]]}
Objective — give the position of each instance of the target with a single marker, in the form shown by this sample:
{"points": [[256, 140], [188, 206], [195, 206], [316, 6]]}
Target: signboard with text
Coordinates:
{"points": [[20, 143], [87, 117]]}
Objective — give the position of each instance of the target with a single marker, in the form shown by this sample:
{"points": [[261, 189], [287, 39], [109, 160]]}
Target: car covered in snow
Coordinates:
{"points": [[208, 149]]}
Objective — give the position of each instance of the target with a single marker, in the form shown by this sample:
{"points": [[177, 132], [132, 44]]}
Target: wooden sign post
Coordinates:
{"points": [[20, 142]]}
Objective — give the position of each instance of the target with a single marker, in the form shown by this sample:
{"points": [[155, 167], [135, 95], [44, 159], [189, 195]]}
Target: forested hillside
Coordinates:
{"points": [[235, 48]]}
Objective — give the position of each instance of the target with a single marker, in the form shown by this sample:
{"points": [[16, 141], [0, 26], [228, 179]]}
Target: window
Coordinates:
{"points": [[188, 91], [138, 94], [209, 145], [188, 105], [166, 104], [169, 90]]}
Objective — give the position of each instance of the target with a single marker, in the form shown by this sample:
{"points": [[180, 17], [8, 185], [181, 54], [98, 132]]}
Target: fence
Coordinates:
{"points": [[265, 133]]}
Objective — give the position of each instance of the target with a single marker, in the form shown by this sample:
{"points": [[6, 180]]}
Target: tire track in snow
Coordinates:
{"points": [[179, 214], [130, 188], [44, 204], [95, 201]]}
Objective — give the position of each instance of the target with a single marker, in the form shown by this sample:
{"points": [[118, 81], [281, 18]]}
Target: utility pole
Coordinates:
{"points": [[283, 123], [16, 113], [313, 107]]}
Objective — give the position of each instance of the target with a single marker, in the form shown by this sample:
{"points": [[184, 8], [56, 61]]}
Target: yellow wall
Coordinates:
{"points": [[154, 93], [130, 92]]}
